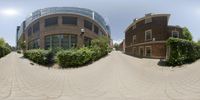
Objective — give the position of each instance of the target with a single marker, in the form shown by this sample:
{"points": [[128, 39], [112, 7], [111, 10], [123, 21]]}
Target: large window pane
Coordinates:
{"points": [[148, 35], [73, 40], [36, 27], [29, 31], [65, 41], [47, 42], [55, 41], [34, 44], [87, 24], [175, 34], [87, 41], [51, 21], [62, 41], [148, 51], [69, 20], [96, 29]]}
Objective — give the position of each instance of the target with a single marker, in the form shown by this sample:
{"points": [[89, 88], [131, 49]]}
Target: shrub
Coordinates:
{"points": [[103, 43], [4, 51], [182, 51], [74, 58], [96, 53], [18, 51], [39, 56], [4, 48]]}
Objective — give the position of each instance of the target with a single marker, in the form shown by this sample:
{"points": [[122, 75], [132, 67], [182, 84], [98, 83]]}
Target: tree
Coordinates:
{"points": [[198, 41], [187, 34], [116, 46], [23, 46], [101, 42], [2, 42]]}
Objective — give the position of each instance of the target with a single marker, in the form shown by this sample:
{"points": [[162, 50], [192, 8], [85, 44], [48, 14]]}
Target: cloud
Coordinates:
{"points": [[117, 41]]}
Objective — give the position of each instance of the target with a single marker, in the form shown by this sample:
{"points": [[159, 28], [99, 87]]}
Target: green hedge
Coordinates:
{"points": [[39, 56], [4, 51], [74, 58], [182, 51]]}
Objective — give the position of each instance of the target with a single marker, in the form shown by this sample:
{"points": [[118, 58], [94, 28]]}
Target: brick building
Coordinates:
{"points": [[147, 36], [64, 27], [122, 46]]}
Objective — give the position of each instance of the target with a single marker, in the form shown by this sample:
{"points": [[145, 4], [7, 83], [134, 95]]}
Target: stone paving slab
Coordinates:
{"points": [[115, 77]]}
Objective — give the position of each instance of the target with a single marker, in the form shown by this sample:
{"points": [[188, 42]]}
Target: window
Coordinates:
{"points": [[73, 40], [148, 51], [96, 29], [87, 41], [29, 31], [148, 35], [134, 51], [69, 20], [100, 33], [65, 41], [47, 42], [62, 41], [175, 34], [134, 26], [55, 41], [134, 39], [34, 44], [148, 20], [36, 27], [51, 21], [87, 24], [141, 51]]}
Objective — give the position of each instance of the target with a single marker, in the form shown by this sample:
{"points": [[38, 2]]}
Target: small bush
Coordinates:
{"points": [[74, 58], [18, 51], [39, 56], [182, 51], [4, 51]]}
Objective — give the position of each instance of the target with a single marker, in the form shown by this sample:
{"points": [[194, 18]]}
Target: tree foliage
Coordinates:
{"points": [[2, 42], [5, 48], [116, 46], [187, 34], [182, 51]]}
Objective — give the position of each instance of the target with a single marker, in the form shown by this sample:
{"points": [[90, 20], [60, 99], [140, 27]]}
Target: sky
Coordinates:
{"points": [[119, 14]]}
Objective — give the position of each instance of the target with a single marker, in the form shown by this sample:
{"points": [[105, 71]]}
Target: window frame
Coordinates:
{"points": [[134, 39], [141, 48], [36, 27], [146, 35], [96, 29], [72, 42], [89, 23], [46, 24], [30, 31], [87, 41], [135, 51], [67, 22], [150, 51], [148, 20], [172, 34]]}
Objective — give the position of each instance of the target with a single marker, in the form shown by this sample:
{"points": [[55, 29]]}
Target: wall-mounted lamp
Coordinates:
{"points": [[82, 31]]}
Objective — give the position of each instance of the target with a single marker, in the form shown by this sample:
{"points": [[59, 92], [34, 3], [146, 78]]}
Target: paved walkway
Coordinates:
{"points": [[115, 77]]}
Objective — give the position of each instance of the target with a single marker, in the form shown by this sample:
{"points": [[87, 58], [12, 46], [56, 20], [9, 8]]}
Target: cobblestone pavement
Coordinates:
{"points": [[115, 77]]}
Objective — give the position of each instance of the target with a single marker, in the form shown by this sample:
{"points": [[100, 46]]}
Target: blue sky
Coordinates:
{"points": [[118, 13]]}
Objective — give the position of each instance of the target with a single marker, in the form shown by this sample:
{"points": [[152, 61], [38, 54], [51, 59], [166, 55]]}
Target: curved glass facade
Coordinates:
{"points": [[66, 10], [61, 41]]}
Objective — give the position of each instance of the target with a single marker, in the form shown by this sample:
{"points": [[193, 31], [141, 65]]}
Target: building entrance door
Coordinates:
{"points": [[141, 52]]}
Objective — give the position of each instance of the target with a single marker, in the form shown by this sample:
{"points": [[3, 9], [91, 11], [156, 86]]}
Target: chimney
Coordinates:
{"points": [[135, 19], [148, 14]]}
